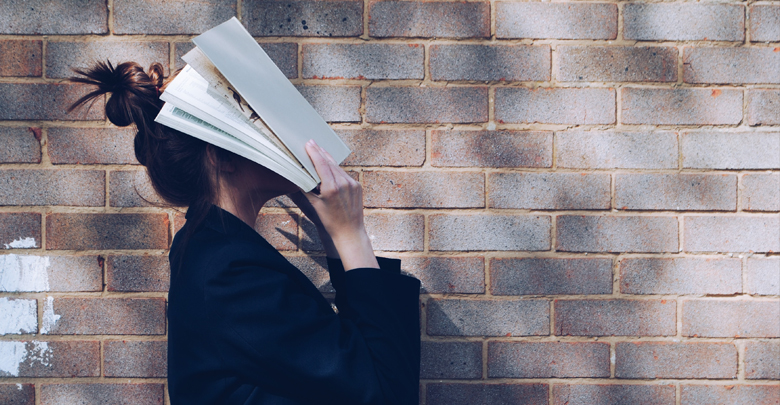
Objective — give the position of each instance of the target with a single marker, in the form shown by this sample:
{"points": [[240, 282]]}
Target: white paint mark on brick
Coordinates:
{"points": [[24, 273], [49, 317], [18, 316], [40, 353], [19, 386], [11, 355], [21, 243]]}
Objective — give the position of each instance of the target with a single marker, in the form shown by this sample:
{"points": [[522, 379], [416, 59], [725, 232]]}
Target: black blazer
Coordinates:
{"points": [[247, 327]]}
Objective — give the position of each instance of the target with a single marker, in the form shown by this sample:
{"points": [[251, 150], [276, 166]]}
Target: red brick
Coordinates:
{"points": [[127, 358], [50, 359], [363, 61], [731, 65], [91, 146], [413, 19], [456, 360], [489, 232], [333, 103], [303, 18], [762, 360], [763, 107], [689, 275], [95, 394], [555, 105], [579, 233], [21, 58], [107, 316], [53, 187], [17, 394], [137, 273], [51, 273], [761, 192], [732, 234], [763, 276], [617, 150], [765, 23], [686, 192], [106, 231], [16, 230], [675, 360], [548, 359], [280, 230], [684, 22], [491, 148], [731, 150], [616, 64], [316, 269], [681, 106], [20, 145], [728, 318], [613, 394], [171, 17], [545, 191], [61, 57], [615, 317], [730, 394], [132, 188], [447, 275], [486, 394], [556, 20], [454, 317], [442, 104], [423, 189], [543, 276], [377, 147], [46, 101], [64, 17], [490, 62]]}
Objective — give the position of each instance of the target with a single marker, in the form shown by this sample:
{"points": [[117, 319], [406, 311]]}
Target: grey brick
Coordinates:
{"points": [[486, 394], [64, 359], [17, 394], [124, 358], [333, 103], [617, 150], [763, 107], [108, 316], [131, 189], [681, 106], [21, 58], [61, 57], [20, 145], [761, 192], [303, 18], [732, 234], [616, 234], [555, 105], [377, 147], [763, 276], [171, 17], [46, 101], [489, 232], [676, 192], [729, 318], [137, 273], [414, 19], [558, 191], [616, 64], [64, 17], [613, 394], [72, 231], [507, 148], [765, 23], [423, 189], [395, 232], [731, 65], [649, 360], [447, 275], [363, 61], [556, 20], [94, 394], [426, 104], [548, 359], [730, 150], [454, 317], [92, 146], [615, 317], [457, 360], [762, 360], [57, 273], [684, 21], [558, 276], [731, 394], [681, 276], [52, 187], [20, 230], [490, 62]]}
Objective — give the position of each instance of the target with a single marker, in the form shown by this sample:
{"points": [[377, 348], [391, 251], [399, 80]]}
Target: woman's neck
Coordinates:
{"points": [[245, 206]]}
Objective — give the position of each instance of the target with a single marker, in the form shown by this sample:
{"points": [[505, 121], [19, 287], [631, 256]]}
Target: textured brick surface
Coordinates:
{"points": [[50, 101], [615, 317], [555, 105], [728, 318], [53, 187], [486, 394], [51, 359], [333, 103], [170, 17], [675, 360], [125, 358], [137, 273], [395, 232], [106, 231], [616, 64], [62, 56], [448, 275], [680, 276], [363, 61], [763, 276], [556, 20], [559, 191], [727, 150], [762, 360], [765, 23], [676, 192], [20, 316], [548, 359], [64, 17], [131, 189], [763, 107], [684, 22], [51, 273], [20, 145], [613, 394], [17, 394], [616, 234], [376, 147], [490, 62], [730, 394], [451, 360], [107, 316], [491, 148], [303, 18], [732, 234], [280, 230], [94, 394], [423, 189], [91, 145], [532, 276], [761, 192], [681, 106], [20, 230], [619, 150], [453, 317], [426, 105], [413, 19], [21, 58], [731, 65], [489, 232]]}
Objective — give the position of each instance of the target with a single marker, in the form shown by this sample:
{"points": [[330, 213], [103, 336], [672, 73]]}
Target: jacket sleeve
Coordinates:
{"points": [[285, 341]]}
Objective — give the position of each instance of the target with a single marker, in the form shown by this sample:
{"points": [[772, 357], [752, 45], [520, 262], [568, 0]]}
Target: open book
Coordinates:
{"points": [[232, 95]]}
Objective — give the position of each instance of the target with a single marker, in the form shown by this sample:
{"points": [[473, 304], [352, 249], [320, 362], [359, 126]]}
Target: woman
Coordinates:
{"points": [[245, 326]]}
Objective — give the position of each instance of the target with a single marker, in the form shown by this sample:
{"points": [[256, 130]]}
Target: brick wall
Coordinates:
{"points": [[589, 192]]}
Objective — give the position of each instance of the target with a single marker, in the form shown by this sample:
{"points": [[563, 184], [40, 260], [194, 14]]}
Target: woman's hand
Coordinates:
{"points": [[303, 204]]}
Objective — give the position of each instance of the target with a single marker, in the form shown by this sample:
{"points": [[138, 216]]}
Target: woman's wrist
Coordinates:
{"points": [[355, 251]]}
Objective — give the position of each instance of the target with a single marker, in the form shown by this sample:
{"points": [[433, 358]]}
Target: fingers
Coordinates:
{"points": [[321, 163], [339, 174]]}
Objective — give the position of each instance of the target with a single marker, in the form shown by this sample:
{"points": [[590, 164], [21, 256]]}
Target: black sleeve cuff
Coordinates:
{"points": [[336, 269]]}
